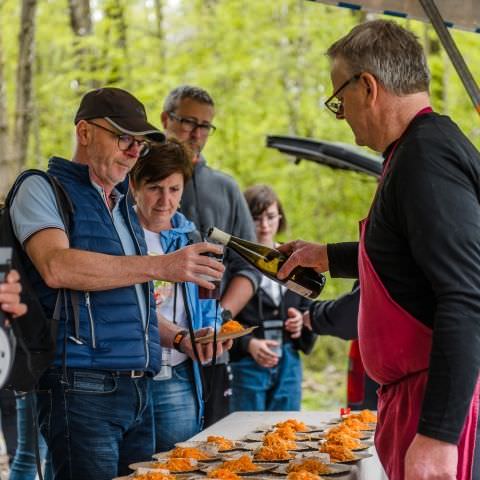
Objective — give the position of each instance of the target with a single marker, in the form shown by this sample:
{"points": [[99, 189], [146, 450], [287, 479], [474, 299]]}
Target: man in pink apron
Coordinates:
{"points": [[418, 259]]}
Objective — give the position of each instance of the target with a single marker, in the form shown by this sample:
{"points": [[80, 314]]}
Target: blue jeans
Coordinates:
{"points": [[24, 465], [95, 423], [256, 388], [176, 408]]}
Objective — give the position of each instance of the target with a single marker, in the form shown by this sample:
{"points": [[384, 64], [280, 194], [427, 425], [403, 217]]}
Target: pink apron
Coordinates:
{"points": [[395, 348]]}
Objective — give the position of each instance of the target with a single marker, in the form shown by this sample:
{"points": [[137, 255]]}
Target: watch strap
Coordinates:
{"points": [[177, 340]]}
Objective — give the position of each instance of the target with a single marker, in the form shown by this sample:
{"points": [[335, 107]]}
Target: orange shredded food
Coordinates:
{"points": [[343, 430], [223, 474], [189, 452], [338, 453], [272, 453], [294, 424], [232, 326], [174, 464], [345, 440], [366, 416], [154, 476], [221, 442], [274, 440], [356, 424], [286, 432], [303, 475], [311, 465], [241, 464]]}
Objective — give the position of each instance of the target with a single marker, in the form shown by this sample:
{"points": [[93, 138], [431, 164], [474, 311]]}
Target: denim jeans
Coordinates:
{"points": [[175, 406], [257, 388], [95, 423], [24, 466]]}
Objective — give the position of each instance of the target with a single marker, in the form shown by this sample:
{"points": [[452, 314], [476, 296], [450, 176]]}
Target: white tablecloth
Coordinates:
{"points": [[236, 425]]}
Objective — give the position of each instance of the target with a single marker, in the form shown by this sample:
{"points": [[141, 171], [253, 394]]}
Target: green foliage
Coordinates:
{"points": [[264, 63]]}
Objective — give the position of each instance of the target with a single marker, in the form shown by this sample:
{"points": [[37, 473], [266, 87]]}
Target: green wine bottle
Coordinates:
{"points": [[304, 281]]}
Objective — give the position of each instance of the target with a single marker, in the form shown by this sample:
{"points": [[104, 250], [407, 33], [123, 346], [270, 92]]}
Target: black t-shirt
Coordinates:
{"points": [[423, 239]]}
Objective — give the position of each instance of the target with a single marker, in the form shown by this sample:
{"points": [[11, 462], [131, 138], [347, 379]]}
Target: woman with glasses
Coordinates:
{"points": [[157, 184], [267, 370]]}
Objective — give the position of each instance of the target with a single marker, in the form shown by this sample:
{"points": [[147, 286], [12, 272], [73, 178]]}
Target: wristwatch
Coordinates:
{"points": [[177, 340], [226, 315]]}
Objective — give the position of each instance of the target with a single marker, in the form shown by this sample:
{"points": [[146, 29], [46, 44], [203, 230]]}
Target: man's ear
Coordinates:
{"points": [[164, 119], [84, 134], [371, 87]]}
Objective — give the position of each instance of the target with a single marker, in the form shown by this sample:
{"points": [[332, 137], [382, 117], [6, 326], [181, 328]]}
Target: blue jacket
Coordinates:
{"points": [[110, 333], [202, 312]]}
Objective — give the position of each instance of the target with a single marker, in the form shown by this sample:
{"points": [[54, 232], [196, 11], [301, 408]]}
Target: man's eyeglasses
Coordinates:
{"points": [[334, 104], [188, 125], [125, 141], [270, 218]]}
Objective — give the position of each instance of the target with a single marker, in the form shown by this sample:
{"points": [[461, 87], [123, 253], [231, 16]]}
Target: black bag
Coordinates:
{"points": [[35, 333]]}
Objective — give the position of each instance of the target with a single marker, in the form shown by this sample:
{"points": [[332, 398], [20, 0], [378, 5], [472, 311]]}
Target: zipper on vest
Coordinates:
{"points": [[147, 321], [90, 318]]}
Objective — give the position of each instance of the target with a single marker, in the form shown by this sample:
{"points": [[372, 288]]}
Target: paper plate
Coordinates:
{"points": [[213, 455], [358, 456], [263, 468], [223, 337], [335, 469], [151, 466]]}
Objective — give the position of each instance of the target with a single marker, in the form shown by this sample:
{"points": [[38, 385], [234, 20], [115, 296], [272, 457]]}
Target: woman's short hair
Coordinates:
{"points": [[163, 160], [259, 198]]}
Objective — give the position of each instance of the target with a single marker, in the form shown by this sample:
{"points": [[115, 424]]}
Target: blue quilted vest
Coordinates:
{"points": [[110, 334]]}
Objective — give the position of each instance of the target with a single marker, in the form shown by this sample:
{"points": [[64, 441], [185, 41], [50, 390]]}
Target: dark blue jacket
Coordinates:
{"points": [[110, 333]]}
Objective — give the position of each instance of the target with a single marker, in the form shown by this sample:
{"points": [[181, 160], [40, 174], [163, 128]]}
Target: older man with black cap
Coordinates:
{"points": [[93, 403]]}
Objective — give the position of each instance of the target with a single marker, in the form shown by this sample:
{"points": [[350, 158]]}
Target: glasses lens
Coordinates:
{"points": [[335, 105], [125, 142]]}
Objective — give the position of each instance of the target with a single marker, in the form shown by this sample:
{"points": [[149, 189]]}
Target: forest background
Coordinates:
{"points": [[263, 62]]}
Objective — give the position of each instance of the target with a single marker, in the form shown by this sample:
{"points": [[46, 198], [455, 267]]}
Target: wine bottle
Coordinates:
{"points": [[304, 281]]}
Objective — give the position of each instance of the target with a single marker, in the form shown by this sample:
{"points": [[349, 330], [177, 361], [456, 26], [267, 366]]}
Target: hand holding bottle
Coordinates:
{"points": [[303, 254], [259, 349], [294, 322], [307, 321]]}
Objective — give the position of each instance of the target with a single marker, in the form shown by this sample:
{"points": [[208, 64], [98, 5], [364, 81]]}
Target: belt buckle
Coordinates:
{"points": [[136, 373]]}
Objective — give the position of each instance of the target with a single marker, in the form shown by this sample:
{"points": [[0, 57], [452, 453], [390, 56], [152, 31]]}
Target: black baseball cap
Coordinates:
{"points": [[119, 108]]}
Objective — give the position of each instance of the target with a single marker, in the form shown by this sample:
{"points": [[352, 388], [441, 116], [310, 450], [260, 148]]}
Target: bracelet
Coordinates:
{"points": [[178, 338]]}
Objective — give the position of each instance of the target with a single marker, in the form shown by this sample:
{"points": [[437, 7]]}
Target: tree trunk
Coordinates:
{"points": [[23, 106], [80, 17], [116, 34], [160, 35]]}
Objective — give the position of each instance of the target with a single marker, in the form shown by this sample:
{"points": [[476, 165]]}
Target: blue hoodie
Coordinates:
{"points": [[202, 312]]}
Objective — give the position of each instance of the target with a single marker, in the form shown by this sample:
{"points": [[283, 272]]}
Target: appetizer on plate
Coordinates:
{"points": [[177, 465], [222, 443], [272, 454], [303, 475]]}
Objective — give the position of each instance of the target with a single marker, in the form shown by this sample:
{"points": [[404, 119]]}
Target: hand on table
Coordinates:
{"points": [[294, 322], [259, 349], [305, 254], [10, 295], [431, 459]]}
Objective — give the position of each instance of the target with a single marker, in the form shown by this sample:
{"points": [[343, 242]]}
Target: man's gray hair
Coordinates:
{"points": [[186, 91], [389, 52]]}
